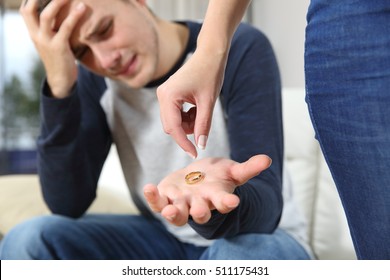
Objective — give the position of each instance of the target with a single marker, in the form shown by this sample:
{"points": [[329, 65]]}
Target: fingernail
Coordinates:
{"points": [[202, 140], [191, 155], [148, 193], [232, 206], [171, 218], [270, 162], [201, 216], [80, 6]]}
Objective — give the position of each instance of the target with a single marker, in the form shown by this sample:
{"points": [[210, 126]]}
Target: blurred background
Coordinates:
{"points": [[21, 72]]}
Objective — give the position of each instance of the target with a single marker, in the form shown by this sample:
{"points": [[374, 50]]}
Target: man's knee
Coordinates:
{"points": [[276, 246], [27, 240]]}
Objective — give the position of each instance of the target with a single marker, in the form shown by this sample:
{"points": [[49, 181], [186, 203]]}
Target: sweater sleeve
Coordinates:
{"points": [[73, 145], [251, 98]]}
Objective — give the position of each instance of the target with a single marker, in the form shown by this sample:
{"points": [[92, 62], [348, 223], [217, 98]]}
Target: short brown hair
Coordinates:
{"points": [[42, 4]]}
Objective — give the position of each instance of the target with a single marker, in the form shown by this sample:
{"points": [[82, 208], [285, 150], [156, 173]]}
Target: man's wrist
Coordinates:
{"points": [[59, 93]]}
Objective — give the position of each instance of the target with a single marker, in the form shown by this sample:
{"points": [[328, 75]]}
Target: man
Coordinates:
{"points": [[211, 208]]}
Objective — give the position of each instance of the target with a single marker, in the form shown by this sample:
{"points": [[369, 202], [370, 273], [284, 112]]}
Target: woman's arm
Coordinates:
{"points": [[199, 81]]}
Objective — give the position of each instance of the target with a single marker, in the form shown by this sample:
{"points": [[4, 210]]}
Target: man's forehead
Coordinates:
{"points": [[83, 23]]}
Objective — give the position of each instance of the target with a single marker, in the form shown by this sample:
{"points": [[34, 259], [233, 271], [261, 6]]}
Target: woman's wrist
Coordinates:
{"points": [[215, 48]]}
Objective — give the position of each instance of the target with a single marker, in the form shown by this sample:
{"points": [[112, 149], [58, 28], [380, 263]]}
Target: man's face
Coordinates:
{"points": [[116, 39]]}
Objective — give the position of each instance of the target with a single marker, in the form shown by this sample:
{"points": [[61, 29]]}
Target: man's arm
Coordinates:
{"points": [[74, 138], [73, 146]]}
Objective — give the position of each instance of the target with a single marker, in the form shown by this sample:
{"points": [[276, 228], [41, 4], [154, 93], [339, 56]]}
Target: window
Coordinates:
{"points": [[20, 77]]}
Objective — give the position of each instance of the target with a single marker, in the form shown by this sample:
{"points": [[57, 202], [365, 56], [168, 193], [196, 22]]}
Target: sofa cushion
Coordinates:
{"points": [[314, 189], [20, 199], [301, 152], [331, 236]]}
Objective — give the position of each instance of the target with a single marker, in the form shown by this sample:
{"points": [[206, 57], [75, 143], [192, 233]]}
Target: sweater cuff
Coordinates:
{"points": [[58, 115]]}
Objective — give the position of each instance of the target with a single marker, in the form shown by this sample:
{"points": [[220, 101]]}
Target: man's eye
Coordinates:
{"points": [[105, 29]]}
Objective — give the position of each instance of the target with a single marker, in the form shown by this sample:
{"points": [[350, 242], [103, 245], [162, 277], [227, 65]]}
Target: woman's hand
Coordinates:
{"points": [[197, 82], [51, 34], [175, 199]]}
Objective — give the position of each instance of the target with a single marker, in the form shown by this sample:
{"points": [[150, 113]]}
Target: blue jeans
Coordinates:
{"points": [[347, 65], [132, 238]]}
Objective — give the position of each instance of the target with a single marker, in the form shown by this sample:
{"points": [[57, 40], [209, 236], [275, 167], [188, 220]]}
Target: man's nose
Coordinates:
{"points": [[108, 59]]}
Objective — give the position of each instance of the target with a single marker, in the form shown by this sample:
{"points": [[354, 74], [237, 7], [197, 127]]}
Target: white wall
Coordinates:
{"points": [[283, 21], [179, 9]]}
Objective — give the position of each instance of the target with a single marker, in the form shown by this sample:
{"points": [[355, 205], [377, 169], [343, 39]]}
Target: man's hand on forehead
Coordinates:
{"points": [[53, 42]]}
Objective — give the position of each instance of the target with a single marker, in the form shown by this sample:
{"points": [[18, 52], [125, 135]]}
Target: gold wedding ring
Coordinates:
{"points": [[194, 177]]}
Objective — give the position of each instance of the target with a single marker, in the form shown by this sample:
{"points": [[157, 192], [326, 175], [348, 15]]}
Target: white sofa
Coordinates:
{"points": [[314, 189], [20, 197]]}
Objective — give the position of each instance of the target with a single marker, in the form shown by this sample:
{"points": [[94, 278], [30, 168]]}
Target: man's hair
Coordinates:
{"points": [[42, 4]]}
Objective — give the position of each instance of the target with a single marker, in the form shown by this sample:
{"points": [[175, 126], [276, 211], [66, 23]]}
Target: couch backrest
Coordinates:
{"points": [[314, 189]]}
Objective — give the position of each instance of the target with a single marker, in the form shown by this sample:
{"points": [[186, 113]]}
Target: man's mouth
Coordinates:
{"points": [[129, 68]]}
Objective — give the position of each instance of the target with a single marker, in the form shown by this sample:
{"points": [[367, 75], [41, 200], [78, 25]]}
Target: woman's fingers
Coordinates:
{"points": [[172, 120]]}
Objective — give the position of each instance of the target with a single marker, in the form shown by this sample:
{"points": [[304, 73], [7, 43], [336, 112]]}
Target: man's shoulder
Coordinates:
{"points": [[249, 41], [248, 32], [88, 74], [249, 48], [91, 79]]}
